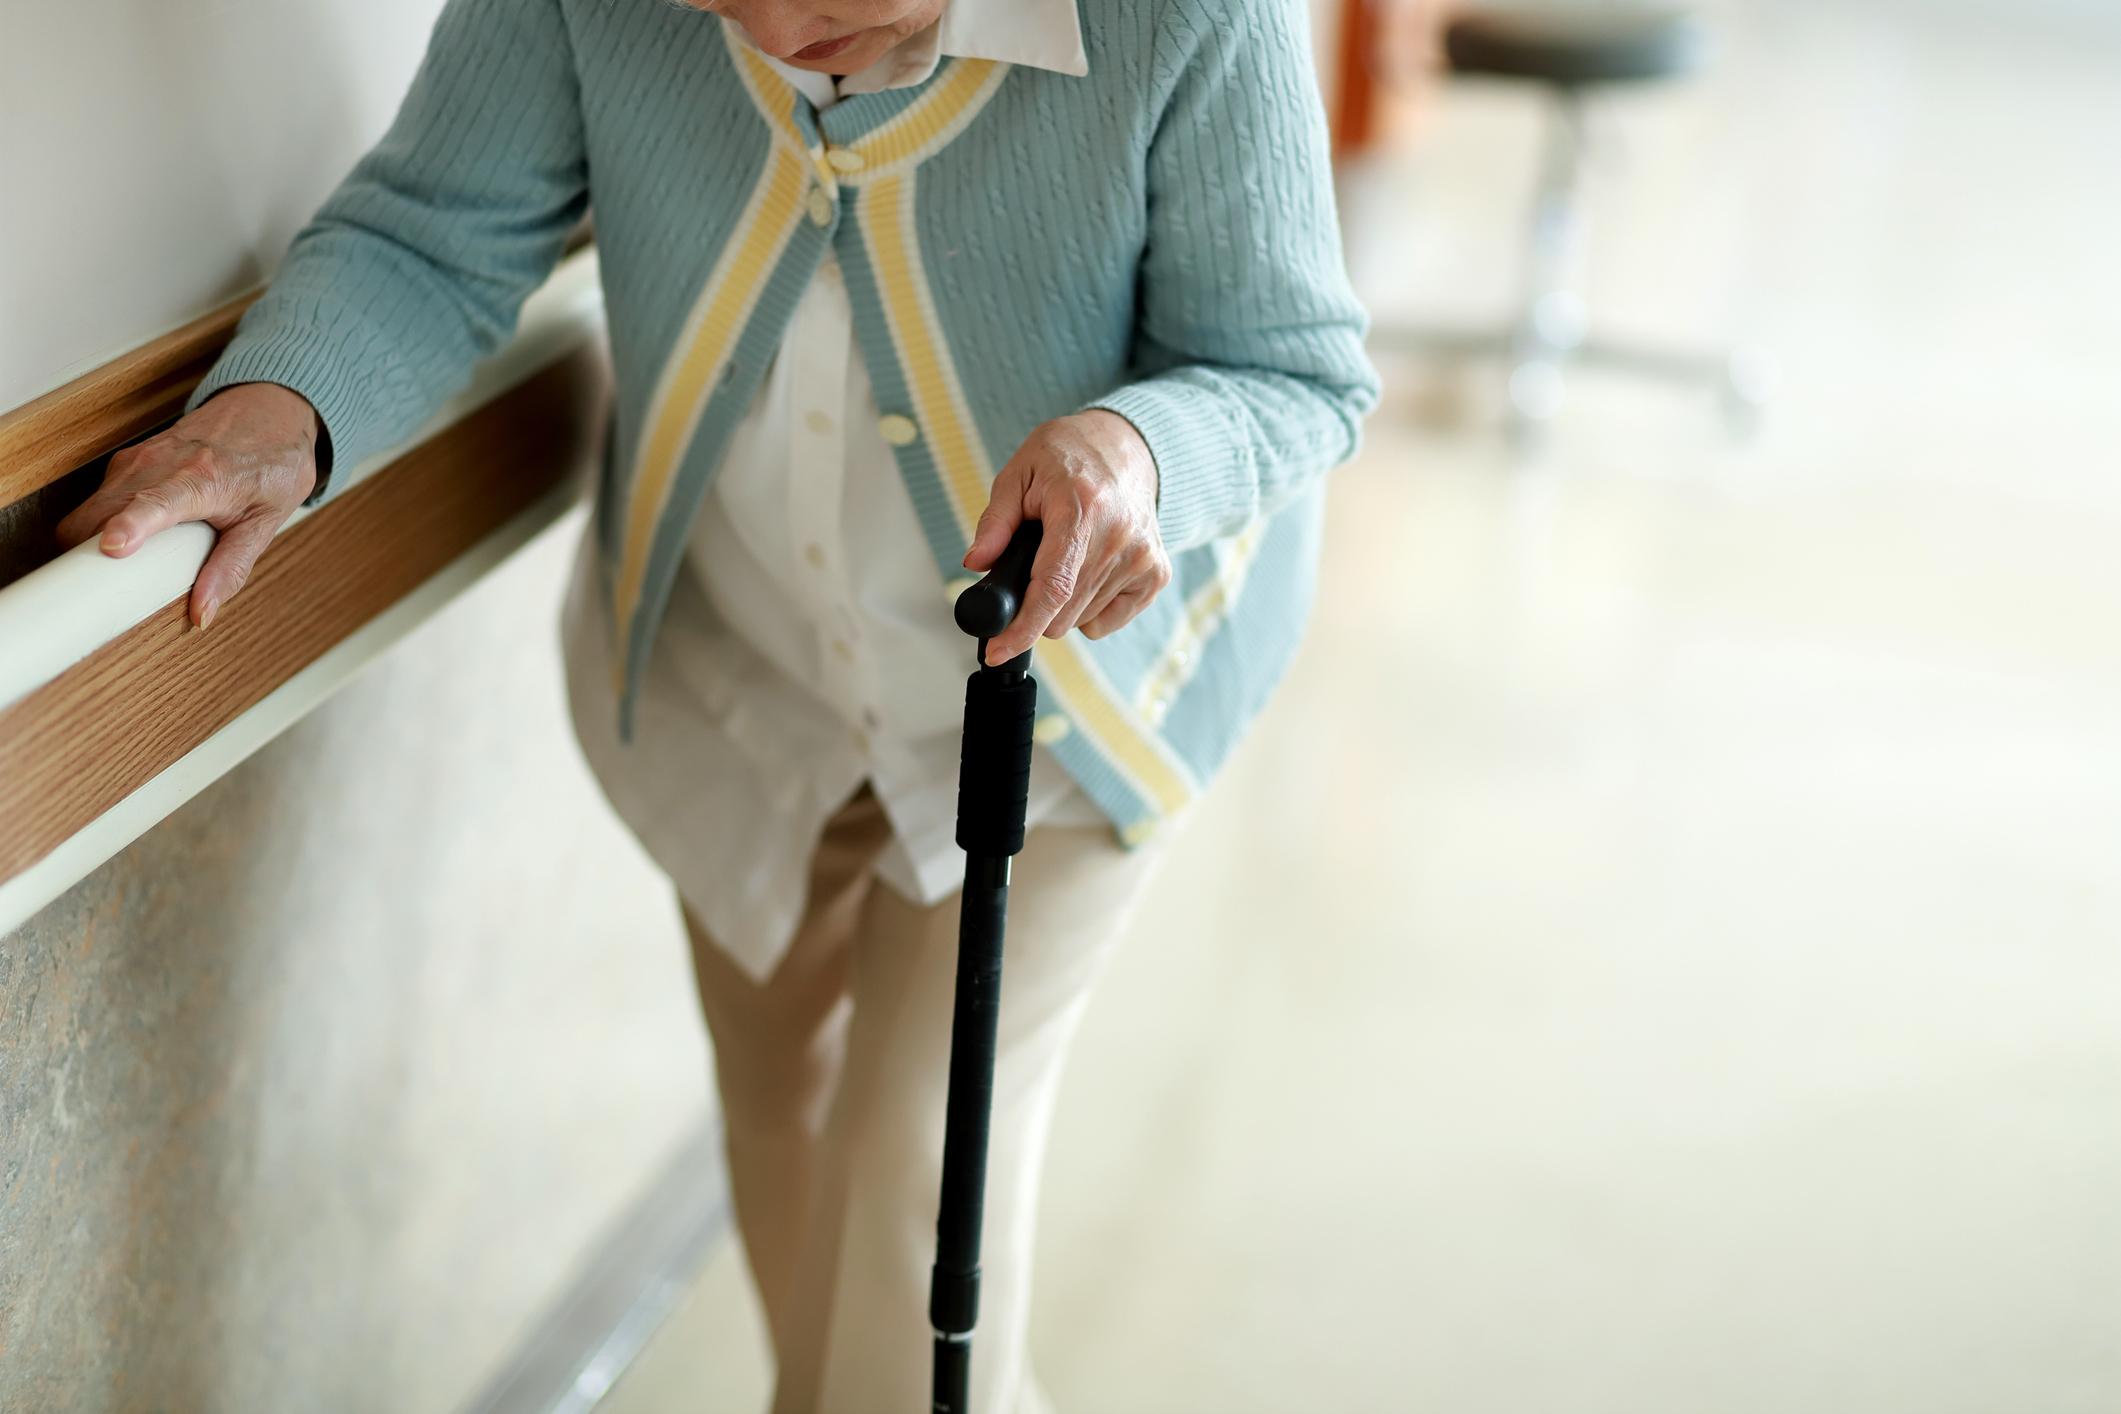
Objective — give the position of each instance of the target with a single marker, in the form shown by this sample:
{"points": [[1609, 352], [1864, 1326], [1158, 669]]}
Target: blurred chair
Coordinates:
{"points": [[1569, 51]]}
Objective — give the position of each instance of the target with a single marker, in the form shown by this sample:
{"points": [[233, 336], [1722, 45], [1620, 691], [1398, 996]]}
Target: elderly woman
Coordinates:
{"points": [[884, 278]]}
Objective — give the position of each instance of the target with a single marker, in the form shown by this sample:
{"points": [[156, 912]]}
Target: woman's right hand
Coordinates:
{"points": [[242, 462]]}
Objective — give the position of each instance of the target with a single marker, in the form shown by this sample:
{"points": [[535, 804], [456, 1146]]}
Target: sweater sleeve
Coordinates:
{"points": [[1249, 378], [416, 266]]}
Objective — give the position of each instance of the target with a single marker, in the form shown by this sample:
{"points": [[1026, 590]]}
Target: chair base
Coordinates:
{"points": [[1739, 379], [1551, 330]]}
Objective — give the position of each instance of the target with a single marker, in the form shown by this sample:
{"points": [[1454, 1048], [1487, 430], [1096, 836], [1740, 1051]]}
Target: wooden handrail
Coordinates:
{"points": [[109, 699], [109, 406], [102, 729]]}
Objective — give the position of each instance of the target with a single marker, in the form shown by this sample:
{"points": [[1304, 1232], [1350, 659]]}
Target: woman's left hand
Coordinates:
{"points": [[1090, 480]]}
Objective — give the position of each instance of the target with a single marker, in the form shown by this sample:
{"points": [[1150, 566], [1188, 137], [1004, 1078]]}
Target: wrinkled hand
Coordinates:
{"points": [[243, 461], [1089, 478]]}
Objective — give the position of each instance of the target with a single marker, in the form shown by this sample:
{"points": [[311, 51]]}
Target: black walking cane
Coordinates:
{"points": [[994, 779]]}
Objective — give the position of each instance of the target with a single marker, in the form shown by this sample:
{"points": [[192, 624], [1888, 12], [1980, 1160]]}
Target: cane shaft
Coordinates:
{"points": [[994, 780], [994, 785], [953, 1294]]}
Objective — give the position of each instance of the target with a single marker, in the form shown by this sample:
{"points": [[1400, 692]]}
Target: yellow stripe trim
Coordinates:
{"points": [[1091, 702], [933, 119], [717, 321], [885, 214], [1204, 612], [939, 115], [775, 98]]}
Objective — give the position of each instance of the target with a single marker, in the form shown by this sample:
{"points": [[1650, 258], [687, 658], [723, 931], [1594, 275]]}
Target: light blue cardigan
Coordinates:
{"points": [[1157, 238]]}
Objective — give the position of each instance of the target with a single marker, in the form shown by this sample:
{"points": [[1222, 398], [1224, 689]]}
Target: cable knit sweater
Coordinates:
{"points": [[1156, 238]]}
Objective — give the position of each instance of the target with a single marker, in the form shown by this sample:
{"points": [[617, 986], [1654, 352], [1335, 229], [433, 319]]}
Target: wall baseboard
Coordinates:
{"points": [[633, 1279]]}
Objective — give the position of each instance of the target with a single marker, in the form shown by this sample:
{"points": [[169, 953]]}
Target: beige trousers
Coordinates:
{"points": [[832, 1076]]}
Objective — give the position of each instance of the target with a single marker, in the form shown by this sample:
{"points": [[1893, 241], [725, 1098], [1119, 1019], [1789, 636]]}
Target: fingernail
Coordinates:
{"points": [[207, 612], [114, 541]]}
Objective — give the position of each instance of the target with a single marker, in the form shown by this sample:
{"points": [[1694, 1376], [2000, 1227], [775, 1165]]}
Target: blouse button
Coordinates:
{"points": [[898, 429]]}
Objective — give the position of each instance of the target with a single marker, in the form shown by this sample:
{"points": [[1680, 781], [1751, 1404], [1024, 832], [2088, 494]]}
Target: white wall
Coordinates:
{"points": [[316, 1095], [157, 155]]}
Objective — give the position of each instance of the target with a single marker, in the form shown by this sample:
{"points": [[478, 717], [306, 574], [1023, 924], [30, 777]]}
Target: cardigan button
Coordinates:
{"points": [[898, 429], [1050, 728], [820, 207], [1137, 833], [845, 159]]}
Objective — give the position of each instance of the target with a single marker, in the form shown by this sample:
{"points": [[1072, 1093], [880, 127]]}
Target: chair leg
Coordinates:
{"points": [[1550, 320]]}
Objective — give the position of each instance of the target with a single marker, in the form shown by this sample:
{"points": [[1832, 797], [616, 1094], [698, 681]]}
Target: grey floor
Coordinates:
{"points": [[1659, 953]]}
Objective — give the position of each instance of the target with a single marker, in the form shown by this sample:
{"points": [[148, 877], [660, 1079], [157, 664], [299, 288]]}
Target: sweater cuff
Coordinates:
{"points": [[308, 362], [1204, 476]]}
